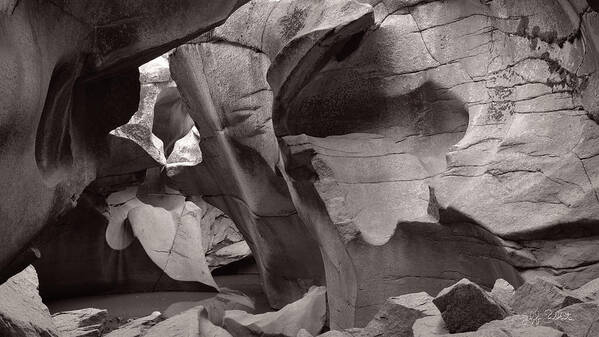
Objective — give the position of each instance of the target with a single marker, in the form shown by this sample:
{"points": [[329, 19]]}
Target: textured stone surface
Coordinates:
{"points": [[540, 295], [307, 313], [22, 312], [496, 125], [369, 205], [80, 323], [465, 307], [65, 86]]}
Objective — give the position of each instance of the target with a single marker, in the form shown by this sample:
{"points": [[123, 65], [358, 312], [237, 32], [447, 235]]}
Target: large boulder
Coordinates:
{"points": [[22, 312]]}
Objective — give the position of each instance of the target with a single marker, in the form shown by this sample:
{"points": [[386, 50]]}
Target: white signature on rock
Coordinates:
{"points": [[546, 316]]}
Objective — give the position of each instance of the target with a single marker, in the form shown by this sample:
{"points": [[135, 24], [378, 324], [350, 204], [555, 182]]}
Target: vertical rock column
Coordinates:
{"points": [[230, 101]]}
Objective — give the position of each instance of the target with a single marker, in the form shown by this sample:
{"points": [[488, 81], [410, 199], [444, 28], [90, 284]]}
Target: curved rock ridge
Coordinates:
{"points": [[69, 76]]}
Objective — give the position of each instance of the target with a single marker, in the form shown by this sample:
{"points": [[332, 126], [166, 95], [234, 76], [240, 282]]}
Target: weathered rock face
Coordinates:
{"points": [[238, 144], [378, 225], [22, 312], [444, 116], [98, 238], [65, 86]]}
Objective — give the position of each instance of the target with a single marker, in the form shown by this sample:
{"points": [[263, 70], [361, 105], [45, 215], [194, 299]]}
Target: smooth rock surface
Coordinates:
{"points": [[308, 313]]}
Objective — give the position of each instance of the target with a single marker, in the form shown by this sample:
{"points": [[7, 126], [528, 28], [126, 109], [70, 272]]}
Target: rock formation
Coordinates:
{"points": [[240, 152], [69, 76], [446, 118], [103, 237], [380, 148]]}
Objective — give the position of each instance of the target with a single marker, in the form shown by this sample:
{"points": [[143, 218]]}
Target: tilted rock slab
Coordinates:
{"points": [[22, 312]]}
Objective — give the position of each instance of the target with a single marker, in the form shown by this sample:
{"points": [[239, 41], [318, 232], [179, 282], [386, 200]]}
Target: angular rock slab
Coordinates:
{"points": [[79, 323], [22, 312], [64, 87], [376, 219], [137, 327], [308, 313]]}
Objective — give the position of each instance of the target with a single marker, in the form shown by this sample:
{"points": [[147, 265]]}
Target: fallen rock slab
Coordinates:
{"points": [[22, 312], [465, 307], [397, 316], [307, 313], [137, 327], [540, 295], [81, 323]]}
